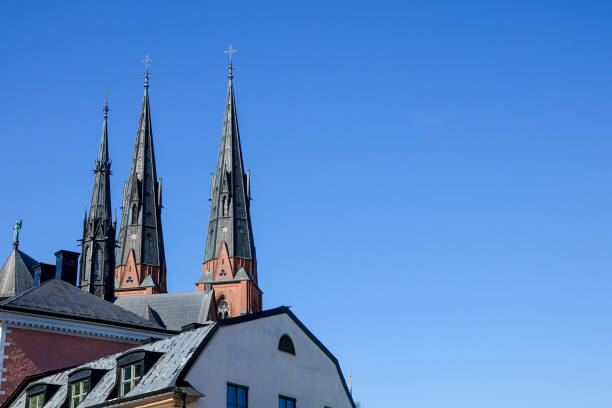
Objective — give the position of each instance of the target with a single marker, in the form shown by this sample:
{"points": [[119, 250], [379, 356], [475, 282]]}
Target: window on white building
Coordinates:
{"points": [[286, 344], [237, 396], [286, 402]]}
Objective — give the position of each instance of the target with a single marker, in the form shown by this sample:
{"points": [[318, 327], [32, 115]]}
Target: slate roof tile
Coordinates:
{"points": [[174, 309], [17, 273], [176, 352]]}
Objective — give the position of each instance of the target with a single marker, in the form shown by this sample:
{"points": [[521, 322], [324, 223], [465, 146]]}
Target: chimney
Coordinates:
{"points": [[66, 266], [43, 272]]}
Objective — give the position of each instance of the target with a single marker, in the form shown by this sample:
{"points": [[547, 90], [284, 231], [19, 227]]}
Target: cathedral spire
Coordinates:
{"points": [[140, 251], [98, 242], [229, 253], [230, 219]]}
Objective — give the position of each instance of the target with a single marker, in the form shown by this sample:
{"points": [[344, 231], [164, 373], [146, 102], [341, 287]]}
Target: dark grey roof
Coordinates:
{"points": [[174, 309], [59, 298], [177, 352], [230, 217], [17, 273]]}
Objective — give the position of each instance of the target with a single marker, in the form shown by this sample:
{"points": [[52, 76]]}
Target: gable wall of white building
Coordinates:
{"points": [[247, 354]]}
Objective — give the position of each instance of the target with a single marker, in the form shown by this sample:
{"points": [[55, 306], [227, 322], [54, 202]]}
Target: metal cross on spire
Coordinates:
{"points": [[230, 67], [147, 61], [107, 90]]}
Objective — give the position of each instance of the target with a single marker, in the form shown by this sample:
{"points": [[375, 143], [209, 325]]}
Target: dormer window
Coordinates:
{"points": [[37, 395], [78, 391], [286, 344], [130, 375], [36, 400], [80, 382], [132, 367]]}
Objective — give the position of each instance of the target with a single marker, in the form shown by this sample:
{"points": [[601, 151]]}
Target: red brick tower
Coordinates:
{"points": [[230, 265]]}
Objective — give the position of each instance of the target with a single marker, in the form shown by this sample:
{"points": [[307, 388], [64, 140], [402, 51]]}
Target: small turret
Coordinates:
{"points": [[17, 273]]}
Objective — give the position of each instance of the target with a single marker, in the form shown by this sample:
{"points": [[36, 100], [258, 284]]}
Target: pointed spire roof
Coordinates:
{"points": [[98, 241], [103, 154], [100, 208], [17, 272], [230, 218], [140, 228]]}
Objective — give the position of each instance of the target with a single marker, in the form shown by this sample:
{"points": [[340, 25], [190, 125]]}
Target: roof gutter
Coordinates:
{"points": [[169, 396]]}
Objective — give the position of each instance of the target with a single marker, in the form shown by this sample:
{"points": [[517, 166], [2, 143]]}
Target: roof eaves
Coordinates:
{"points": [[136, 397], [326, 351], [89, 319]]}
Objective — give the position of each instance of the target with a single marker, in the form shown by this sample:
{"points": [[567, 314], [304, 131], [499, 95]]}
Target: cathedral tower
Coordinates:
{"points": [[98, 242], [230, 265], [140, 259]]}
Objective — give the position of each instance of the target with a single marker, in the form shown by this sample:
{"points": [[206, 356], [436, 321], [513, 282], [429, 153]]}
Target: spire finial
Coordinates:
{"points": [[230, 67], [106, 109], [147, 61]]}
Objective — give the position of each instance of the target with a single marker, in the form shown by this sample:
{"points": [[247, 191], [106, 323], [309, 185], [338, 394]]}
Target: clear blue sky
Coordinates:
{"points": [[431, 180]]}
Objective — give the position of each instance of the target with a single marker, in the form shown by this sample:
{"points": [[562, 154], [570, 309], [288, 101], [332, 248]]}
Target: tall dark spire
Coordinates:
{"points": [[140, 251], [98, 242], [230, 218], [230, 264]]}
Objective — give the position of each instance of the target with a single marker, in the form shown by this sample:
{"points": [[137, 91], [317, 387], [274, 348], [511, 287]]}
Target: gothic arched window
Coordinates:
{"points": [[96, 265], [286, 344], [223, 309], [134, 214], [84, 263]]}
